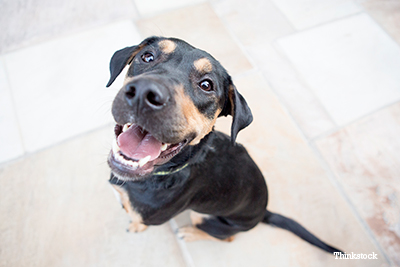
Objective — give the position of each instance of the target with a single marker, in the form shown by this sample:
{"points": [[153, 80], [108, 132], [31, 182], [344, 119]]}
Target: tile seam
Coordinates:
{"points": [[182, 245], [285, 16], [333, 20], [168, 10], [108, 125], [379, 25], [353, 122], [336, 183], [303, 82], [14, 107], [67, 34], [235, 40]]}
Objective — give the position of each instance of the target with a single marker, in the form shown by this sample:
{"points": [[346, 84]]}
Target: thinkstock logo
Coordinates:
{"points": [[355, 256]]}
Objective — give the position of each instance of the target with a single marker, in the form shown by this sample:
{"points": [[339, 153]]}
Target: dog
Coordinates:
{"points": [[167, 157]]}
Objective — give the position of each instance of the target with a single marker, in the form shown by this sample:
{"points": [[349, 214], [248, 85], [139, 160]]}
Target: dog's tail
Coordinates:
{"points": [[294, 227]]}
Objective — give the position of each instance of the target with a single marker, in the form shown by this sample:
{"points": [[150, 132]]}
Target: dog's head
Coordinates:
{"points": [[172, 95]]}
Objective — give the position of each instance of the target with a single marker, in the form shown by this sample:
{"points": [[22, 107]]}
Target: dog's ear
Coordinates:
{"points": [[119, 60], [236, 106]]}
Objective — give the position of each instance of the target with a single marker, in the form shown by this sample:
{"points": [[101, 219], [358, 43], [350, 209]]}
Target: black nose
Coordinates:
{"points": [[146, 94]]}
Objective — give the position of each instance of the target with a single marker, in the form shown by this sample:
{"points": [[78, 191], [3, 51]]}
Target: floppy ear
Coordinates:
{"points": [[236, 106], [119, 60]]}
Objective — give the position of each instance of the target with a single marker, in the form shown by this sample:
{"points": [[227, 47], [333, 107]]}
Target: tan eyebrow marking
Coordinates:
{"points": [[203, 65], [167, 46]]}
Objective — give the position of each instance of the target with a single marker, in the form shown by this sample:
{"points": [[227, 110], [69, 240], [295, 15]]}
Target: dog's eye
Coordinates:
{"points": [[147, 57], [206, 85]]}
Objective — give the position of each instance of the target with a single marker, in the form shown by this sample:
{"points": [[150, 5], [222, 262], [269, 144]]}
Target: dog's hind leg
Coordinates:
{"points": [[207, 227]]}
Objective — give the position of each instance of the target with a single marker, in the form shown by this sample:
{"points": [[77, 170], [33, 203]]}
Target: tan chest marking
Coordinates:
{"points": [[137, 221]]}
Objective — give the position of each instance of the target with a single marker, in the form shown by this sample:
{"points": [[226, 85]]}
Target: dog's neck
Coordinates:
{"points": [[189, 154]]}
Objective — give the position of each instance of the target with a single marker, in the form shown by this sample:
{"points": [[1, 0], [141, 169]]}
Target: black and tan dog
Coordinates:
{"points": [[167, 158]]}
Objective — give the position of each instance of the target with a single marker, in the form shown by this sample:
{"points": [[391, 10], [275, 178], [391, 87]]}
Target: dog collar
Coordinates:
{"points": [[171, 172]]}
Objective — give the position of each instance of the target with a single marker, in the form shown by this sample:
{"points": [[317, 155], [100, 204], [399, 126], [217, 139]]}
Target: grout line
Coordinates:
{"points": [[286, 17], [167, 10], [335, 182], [381, 27], [297, 30], [235, 38], [324, 23], [138, 14], [359, 119], [64, 34], [360, 3], [14, 106], [108, 125], [182, 245], [303, 82]]}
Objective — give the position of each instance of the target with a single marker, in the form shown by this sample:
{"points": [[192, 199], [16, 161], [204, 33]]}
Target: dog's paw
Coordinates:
{"points": [[135, 227], [189, 233], [229, 239]]}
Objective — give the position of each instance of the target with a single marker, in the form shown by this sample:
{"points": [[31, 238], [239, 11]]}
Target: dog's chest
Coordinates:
{"points": [[155, 205]]}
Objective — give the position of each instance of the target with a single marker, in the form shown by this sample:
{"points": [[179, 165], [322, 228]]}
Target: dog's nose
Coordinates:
{"points": [[146, 94]]}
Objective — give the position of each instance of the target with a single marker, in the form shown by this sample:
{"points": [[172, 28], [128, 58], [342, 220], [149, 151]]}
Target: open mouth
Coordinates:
{"points": [[136, 152]]}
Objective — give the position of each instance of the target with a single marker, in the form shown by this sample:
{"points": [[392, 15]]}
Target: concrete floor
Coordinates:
{"points": [[321, 77]]}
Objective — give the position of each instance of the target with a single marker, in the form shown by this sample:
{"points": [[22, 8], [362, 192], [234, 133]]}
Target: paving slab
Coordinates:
{"points": [[351, 65], [59, 86], [25, 22]]}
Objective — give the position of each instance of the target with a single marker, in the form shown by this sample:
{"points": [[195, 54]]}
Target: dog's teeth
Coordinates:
{"points": [[135, 164], [143, 161], [115, 147], [120, 157], [126, 126], [130, 163], [164, 147]]}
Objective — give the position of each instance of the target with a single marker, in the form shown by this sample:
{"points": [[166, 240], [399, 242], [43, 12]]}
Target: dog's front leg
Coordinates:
{"points": [[136, 224]]}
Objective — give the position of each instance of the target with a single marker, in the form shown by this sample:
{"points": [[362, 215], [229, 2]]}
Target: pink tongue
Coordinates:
{"points": [[137, 145]]}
